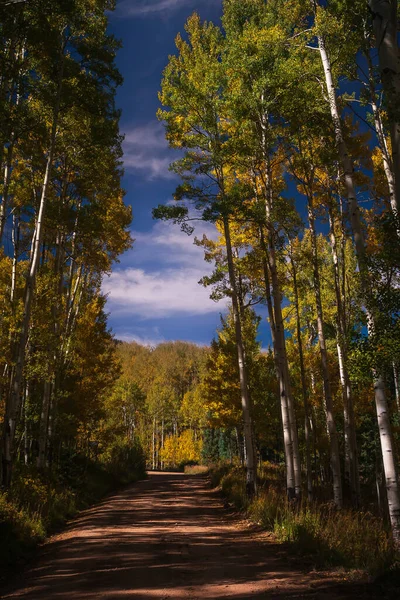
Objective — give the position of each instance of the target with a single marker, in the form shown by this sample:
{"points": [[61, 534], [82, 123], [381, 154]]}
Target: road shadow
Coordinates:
{"points": [[168, 537]]}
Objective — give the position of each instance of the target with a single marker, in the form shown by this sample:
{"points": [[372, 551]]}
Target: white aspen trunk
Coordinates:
{"points": [[287, 400], [157, 446], [328, 402], [389, 465], [384, 13], [351, 459], [307, 426], [287, 436], [286, 393], [75, 310], [15, 243], [51, 422], [385, 433], [10, 152], [70, 305], [239, 446], [396, 386], [386, 158], [43, 429], [57, 349], [251, 465], [6, 186], [154, 444], [244, 451], [15, 234], [26, 428], [162, 440], [14, 400], [284, 378], [378, 490], [70, 293]]}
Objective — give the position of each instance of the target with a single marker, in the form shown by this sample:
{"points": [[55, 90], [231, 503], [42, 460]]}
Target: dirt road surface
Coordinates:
{"points": [[169, 537]]}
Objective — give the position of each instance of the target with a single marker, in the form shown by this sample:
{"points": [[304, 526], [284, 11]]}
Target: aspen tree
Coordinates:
{"points": [[252, 43], [385, 25], [382, 409], [197, 73]]}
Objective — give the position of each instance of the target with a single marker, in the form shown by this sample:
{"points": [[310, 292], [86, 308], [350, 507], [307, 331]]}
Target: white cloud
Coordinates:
{"points": [[158, 293], [162, 277], [140, 8], [167, 244], [150, 135], [146, 150], [139, 339]]}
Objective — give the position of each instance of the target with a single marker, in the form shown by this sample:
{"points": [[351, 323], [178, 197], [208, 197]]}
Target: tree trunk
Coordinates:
{"points": [[14, 400], [287, 434], [6, 186], [251, 466], [386, 158], [380, 397], [14, 92], [328, 401], [284, 379], [162, 440], [26, 426], [351, 460], [154, 444], [43, 428], [396, 386], [307, 428], [384, 15]]}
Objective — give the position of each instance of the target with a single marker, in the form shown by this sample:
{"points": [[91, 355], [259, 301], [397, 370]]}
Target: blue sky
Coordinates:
{"points": [[153, 293]]}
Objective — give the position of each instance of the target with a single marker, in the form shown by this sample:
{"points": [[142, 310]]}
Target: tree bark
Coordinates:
{"points": [[385, 433], [251, 465], [44, 424], [307, 428], [396, 386], [328, 401], [287, 400], [287, 434], [14, 400], [386, 158], [351, 458], [6, 186], [384, 15], [26, 426]]}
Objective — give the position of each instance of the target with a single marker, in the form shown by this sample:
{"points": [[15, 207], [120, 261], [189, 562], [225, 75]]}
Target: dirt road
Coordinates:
{"points": [[168, 537]]}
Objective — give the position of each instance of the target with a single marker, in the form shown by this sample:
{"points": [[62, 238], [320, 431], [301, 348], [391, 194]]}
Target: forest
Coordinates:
{"points": [[63, 223], [285, 120]]}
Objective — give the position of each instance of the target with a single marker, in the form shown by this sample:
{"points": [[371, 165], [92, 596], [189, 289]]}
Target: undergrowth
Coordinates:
{"points": [[332, 538], [195, 469], [39, 503]]}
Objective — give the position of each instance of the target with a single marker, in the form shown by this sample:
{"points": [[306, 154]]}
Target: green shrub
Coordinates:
{"points": [[217, 472], [332, 538], [125, 461], [267, 508], [40, 502], [19, 531], [233, 486]]}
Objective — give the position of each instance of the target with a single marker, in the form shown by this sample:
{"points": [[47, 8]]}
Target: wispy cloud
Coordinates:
{"points": [[150, 135], [146, 150], [158, 294], [167, 245], [139, 339], [140, 8], [162, 277]]}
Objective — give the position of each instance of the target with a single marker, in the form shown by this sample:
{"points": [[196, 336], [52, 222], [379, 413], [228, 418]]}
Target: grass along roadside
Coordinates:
{"points": [[40, 503], [330, 538]]}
